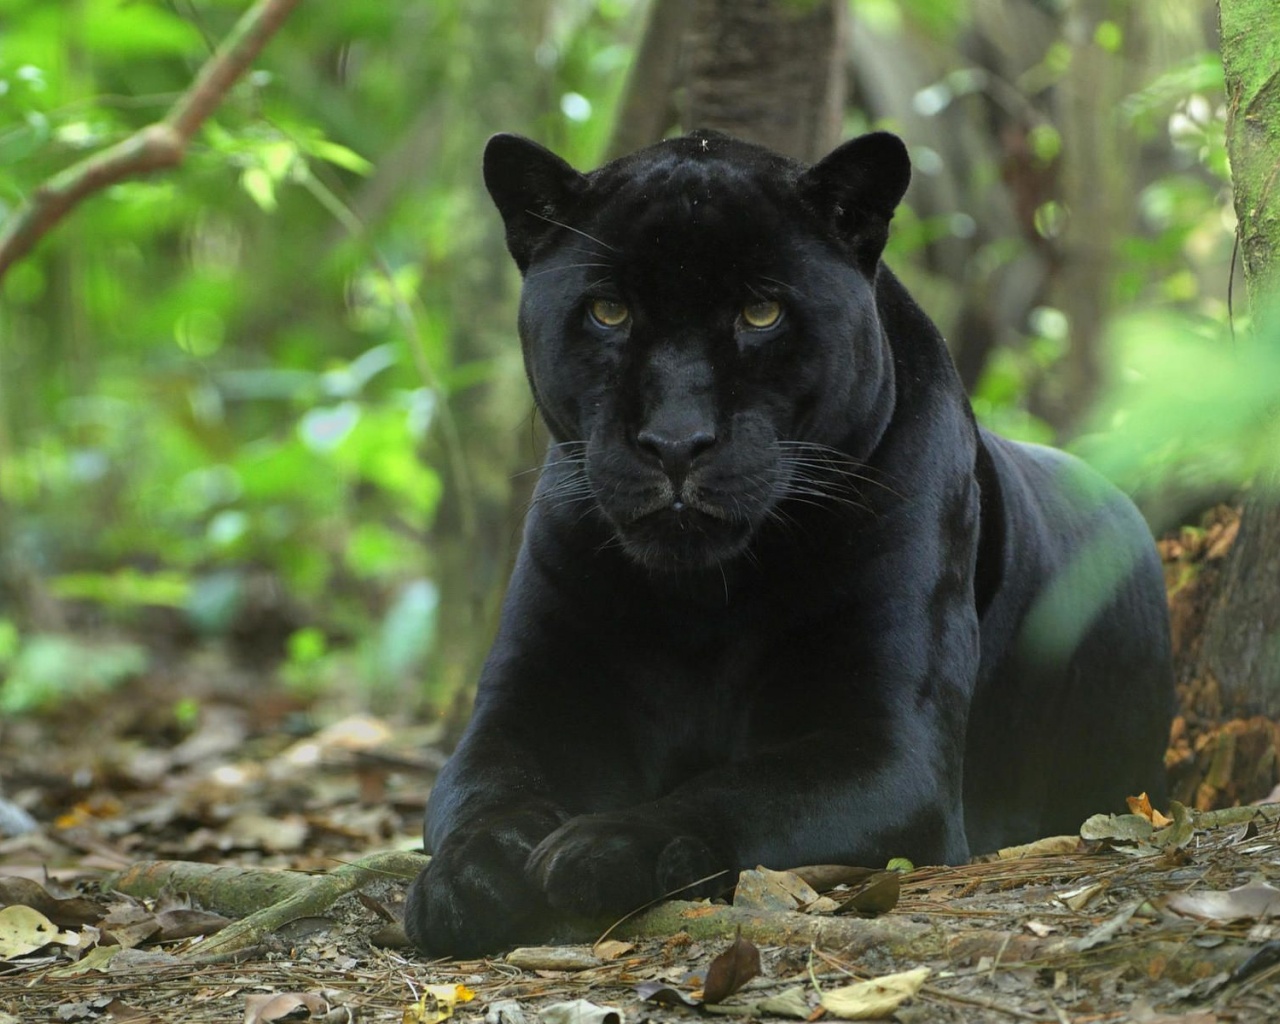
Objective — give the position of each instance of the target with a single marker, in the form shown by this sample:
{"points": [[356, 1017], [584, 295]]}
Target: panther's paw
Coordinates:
{"points": [[614, 863], [474, 898]]}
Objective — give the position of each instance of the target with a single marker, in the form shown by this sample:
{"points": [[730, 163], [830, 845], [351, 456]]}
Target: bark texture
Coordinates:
{"points": [[768, 71], [1242, 634], [648, 108]]}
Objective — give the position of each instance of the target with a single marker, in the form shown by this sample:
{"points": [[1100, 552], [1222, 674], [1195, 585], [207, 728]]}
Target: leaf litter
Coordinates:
{"points": [[1110, 926]]}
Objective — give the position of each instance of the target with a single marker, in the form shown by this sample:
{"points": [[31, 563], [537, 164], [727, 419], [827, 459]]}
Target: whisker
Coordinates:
{"points": [[567, 266], [569, 227]]}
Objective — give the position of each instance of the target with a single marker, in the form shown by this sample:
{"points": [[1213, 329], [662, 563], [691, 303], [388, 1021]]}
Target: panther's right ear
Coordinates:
{"points": [[532, 188], [856, 188]]}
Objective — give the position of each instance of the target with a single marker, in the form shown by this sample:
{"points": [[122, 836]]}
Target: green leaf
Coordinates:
{"points": [[261, 187]]}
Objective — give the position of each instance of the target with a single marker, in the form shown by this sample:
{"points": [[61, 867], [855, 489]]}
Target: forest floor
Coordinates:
{"points": [[1149, 919]]}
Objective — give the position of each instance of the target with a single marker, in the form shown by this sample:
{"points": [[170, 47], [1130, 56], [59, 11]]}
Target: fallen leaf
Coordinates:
{"points": [[611, 949], [1254, 901], [878, 997], [95, 960], [65, 913], [1109, 928], [788, 1003], [269, 1008], [1078, 899], [24, 930], [122, 1013], [663, 994], [1122, 828], [732, 969], [580, 1011], [827, 876], [1050, 846], [878, 896], [504, 1011], [1176, 832], [763, 889], [188, 923]]}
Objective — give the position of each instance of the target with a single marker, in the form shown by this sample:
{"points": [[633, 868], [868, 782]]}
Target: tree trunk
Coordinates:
{"points": [[648, 107], [768, 71], [1241, 646]]}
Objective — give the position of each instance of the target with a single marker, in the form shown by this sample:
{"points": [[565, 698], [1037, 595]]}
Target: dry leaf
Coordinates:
{"points": [[763, 889], [827, 876], [436, 1004], [1050, 846], [878, 896], [1123, 828], [267, 1009], [663, 994], [732, 969], [788, 1003], [1248, 902], [65, 913], [1141, 805], [1078, 899], [24, 930], [878, 997], [579, 1011], [504, 1011], [611, 949]]}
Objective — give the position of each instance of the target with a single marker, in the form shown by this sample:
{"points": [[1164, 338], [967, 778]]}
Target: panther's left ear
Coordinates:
{"points": [[857, 187], [532, 188]]}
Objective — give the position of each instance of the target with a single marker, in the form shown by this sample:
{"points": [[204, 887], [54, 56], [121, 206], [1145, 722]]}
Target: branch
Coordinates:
{"points": [[159, 145]]}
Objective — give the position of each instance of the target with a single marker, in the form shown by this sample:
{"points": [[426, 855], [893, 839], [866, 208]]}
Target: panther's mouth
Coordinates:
{"points": [[684, 535]]}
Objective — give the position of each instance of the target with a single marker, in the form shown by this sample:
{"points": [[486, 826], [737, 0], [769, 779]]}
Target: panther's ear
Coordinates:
{"points": [[856, 189], [531, 186]]}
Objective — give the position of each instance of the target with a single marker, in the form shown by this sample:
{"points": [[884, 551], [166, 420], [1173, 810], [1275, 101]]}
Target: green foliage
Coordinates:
{"points": [[247, 366], [45, 670], [1192, 409], [293, 357]]}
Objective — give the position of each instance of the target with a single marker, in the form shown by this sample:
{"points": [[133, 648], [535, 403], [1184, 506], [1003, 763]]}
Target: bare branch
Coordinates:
{"points": [[156, 146]]}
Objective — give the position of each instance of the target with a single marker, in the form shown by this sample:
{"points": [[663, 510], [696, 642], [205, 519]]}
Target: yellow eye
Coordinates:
{"points": [[608, 313], [761, 315]]}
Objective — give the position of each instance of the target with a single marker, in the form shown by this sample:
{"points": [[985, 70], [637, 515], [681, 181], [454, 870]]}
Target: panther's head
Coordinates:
{"points": [[700, 330]]}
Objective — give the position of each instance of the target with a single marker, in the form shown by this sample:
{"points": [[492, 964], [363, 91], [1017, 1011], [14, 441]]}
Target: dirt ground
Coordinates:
{"points": [[1150, 919]]}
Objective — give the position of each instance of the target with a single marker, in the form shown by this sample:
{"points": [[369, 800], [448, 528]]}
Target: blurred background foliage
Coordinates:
{"points": [[273, 401]]}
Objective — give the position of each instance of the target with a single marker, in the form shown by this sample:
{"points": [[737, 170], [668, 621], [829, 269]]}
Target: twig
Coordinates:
{"points": [[159, 145], [319, 894]]}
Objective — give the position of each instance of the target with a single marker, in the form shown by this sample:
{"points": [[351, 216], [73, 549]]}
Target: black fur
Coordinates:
{"points": [[780, 601]]}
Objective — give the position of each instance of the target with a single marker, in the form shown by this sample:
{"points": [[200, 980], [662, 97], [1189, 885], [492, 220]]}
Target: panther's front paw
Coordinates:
{"points": [[474, 898], [614, 863]]}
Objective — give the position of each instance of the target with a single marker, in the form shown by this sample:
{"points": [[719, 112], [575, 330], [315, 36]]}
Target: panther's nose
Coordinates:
{"points": [[675, 450]]}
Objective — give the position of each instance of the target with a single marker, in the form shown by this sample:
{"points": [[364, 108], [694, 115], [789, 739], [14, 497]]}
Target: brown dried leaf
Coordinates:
{"points": [[65, 913], [665, 995], [611, 949], [732, 969], [266, 1009], [878, 896], [186, 924], [763, 889], [824, 877]]}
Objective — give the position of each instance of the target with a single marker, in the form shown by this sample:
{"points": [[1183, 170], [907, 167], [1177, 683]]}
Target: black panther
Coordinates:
{"points": [[780, 600]]}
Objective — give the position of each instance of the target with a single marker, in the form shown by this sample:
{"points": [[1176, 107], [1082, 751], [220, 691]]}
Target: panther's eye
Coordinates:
{"points": [[761, 315], [608, 313]]}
